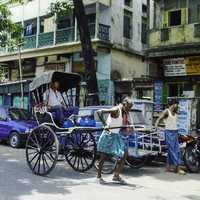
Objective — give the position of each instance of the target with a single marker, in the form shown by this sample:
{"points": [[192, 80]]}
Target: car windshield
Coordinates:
{"points": [[20, 114], [137, 117]]}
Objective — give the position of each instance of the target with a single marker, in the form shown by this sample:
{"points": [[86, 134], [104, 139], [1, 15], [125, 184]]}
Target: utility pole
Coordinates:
{"points": [[20, 75]]}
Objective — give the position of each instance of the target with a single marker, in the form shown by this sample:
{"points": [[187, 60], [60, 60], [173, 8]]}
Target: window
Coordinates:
{"points": [[3, 114], [144, 30], [144, 8], [127, 24], [64, 22], [30, 27], [4, 73], [46, 24], [128, 3], [175, 18]]}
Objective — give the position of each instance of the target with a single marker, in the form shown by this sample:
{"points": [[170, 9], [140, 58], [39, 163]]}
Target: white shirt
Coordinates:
{"points": [[53, 98], [171, 121], [115, 122]]}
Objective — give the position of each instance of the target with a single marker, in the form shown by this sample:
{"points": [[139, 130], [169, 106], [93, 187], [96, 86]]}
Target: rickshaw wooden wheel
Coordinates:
{"points": [[81, 150], [42, 150]]}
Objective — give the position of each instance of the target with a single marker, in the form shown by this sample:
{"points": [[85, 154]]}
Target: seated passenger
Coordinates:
{"points": [[55, 103]]}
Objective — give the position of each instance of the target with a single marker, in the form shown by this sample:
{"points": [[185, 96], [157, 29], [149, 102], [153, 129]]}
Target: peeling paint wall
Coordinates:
{"points": [[184, 33], [128, 65]]}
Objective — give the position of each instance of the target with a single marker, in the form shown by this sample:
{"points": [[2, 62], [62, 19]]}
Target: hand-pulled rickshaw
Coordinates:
{"points": [[48, 140]]}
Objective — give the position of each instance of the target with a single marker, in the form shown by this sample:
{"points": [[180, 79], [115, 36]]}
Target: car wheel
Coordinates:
{"points": [[15, 140]]}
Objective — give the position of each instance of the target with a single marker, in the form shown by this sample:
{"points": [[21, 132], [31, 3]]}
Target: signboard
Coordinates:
{"points": [[183, 121], [182, 66], [158, 103], [193, 65], [174, 67]]}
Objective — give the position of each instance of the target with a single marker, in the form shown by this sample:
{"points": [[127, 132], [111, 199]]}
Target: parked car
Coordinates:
{"points": [[15, 124]]}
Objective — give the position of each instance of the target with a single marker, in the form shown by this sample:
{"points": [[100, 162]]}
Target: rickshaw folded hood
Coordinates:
{"points": [[66, 80]]}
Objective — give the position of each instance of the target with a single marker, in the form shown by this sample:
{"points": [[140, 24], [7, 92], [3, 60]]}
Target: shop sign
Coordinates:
{"points": [[193, 65], [174, 67]]}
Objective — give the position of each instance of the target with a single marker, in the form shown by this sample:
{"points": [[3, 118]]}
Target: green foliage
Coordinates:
{"points": [[10, 33], [61, 8]]}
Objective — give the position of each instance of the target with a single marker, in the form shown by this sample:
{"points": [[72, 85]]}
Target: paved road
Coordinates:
{"points": [[152, 183]]}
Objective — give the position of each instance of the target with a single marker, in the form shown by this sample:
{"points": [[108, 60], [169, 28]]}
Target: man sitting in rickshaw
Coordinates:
{"points": [[54, 101]]}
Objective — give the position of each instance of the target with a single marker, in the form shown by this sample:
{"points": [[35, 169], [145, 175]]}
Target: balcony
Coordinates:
{"points": [[45, 39], [65, 35], [29, 42], [183, 34], [62, 36]]}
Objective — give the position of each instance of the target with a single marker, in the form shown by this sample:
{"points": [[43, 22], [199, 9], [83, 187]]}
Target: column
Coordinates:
{"points": [[97, 20], [55, 28], [75, 30], [38, 25]]}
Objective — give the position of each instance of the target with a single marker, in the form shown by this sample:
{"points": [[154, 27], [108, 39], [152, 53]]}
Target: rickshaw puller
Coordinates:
{"points": [[111, 142]]}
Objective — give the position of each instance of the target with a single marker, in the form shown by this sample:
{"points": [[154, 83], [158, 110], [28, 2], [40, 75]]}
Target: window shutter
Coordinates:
{"points": [[184, 16]]}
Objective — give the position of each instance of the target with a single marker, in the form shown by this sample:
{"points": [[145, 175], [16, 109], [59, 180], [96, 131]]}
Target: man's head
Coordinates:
{"points": [[55, 85], [173, 103], [127, 104]]}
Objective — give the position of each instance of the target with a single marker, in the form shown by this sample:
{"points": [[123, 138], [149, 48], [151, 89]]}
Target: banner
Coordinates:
{"points": [[184, 116]]}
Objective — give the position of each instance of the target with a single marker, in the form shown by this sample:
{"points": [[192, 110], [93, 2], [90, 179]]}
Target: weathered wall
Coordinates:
{"points": [[117, 24], [128, 65]]}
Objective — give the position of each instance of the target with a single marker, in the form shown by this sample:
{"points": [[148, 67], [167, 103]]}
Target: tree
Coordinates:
{"points": [[10, 33], [77, 6]]}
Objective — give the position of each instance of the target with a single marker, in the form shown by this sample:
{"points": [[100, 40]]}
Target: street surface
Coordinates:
{"points": [[150, 183]]}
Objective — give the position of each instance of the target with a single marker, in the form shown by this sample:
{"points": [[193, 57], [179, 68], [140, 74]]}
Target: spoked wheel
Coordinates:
{"points": [[42, 150], [191, 159], [81, 150]]}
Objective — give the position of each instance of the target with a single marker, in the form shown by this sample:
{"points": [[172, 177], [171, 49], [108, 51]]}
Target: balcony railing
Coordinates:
{"points": [[29, 42], [45, 39], [66, 35], [183, 34]]}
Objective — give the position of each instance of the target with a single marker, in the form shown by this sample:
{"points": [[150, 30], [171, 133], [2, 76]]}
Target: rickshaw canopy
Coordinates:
{"points": [[66, 80]]}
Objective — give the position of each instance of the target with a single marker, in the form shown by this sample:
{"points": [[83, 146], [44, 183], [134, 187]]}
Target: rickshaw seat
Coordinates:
{"points": [[45, 117]]}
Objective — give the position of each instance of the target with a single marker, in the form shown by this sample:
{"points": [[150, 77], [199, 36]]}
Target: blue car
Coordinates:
{"points": [[15, 124]]}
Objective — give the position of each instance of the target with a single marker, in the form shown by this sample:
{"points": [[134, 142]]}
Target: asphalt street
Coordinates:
{"points": [[149, 183]]}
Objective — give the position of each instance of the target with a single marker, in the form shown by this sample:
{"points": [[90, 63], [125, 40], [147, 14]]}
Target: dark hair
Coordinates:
{"points": [[127, 100], [172, 102]]}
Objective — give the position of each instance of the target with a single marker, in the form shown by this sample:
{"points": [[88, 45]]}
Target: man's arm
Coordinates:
{"points": [[162, 116], [101, 113]]}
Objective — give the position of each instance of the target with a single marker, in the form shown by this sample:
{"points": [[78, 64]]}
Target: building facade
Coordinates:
{"points": [[118, 30], [174, 51]]}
